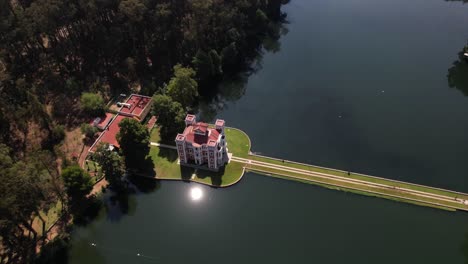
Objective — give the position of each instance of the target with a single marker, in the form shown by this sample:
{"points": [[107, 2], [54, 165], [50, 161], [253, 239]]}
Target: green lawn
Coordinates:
{"points": [[359, 177], [165, 163], [154, 134], [238, 142], [166, 167], [93, 169], [50, 217]]}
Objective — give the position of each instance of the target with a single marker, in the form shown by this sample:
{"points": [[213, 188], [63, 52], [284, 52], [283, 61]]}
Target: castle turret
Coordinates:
{"points": [[180, 143], [190, 120], [220, 126]]}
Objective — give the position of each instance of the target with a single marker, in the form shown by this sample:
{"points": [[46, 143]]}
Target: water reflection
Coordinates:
{"points": [[232, 88], [464, 248], [196, 194], [458, 74]]}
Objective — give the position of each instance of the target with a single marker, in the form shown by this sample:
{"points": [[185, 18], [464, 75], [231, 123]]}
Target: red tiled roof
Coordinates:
{"points": [[197, 139], [110, 133], [200, 127], [104, 120], [151, 122], [137, 104]]}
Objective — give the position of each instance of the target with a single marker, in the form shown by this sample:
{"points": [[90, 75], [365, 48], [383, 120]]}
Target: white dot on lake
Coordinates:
{"points": [[196, 194]]}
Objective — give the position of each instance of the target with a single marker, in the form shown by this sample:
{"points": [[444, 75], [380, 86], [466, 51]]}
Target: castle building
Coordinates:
{"points": [[201, 145]]}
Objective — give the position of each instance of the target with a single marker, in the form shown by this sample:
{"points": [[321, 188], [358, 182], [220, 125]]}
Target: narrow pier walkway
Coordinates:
{"points": [[348, 181], [418, 194]]}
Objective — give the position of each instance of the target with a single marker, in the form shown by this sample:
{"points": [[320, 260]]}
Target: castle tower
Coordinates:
{"points": [[190, 120], [220, 126], [180, 143], [212, 155]]}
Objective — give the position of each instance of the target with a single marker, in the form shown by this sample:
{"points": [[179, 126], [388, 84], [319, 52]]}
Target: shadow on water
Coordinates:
{"points": [[87, 212], [457, 76], [233, 87], [54, 252], [113, 204], [464, 248], [144, 185]]}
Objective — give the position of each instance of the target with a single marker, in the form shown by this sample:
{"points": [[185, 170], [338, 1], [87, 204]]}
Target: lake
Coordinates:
{"points": [[358, 85]]}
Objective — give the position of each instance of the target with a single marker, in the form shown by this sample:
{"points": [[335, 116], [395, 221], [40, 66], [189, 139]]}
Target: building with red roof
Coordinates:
{"points": [[202, 145], [136, 106], [109, 135], [102, 121]]}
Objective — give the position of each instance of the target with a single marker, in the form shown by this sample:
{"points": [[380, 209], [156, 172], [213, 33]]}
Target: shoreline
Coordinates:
{"points": [[330, 178]]}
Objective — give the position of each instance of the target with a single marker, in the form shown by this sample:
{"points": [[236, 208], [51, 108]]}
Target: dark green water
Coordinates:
{"points": [[359, 85]]}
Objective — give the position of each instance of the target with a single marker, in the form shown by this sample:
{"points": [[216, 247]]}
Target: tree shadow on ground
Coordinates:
{"points": [[215, 177], [169, 154], [147, 167]]}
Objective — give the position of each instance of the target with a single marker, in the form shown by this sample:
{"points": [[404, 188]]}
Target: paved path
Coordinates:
{"points": [[162, 145]]}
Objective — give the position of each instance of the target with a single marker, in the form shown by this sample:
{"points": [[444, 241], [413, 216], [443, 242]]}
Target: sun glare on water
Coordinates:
{"points": [[196, 194]]}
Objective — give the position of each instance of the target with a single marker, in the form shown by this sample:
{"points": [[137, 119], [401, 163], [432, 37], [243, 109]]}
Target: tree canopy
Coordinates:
{"points": [[182, 87], [77, 182], [23, 190], [88, 130], [111, 164], [133, 138], [59, 59], [92, 103], [170, 114]]}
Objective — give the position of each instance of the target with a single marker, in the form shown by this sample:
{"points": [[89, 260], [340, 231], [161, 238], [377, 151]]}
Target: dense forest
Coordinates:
{"points": [[52, 52]]}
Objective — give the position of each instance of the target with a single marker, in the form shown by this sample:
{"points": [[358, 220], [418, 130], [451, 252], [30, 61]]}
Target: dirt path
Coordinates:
{"points": [[98, 187]]}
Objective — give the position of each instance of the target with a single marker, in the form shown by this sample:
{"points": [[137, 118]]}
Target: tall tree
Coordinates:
{"points": [[133, 138], [230, 59], [92, 103], [111, 164], [88, 130], [77, 182], [20, 198], [135, 10], [182, 87], [170, 115]]}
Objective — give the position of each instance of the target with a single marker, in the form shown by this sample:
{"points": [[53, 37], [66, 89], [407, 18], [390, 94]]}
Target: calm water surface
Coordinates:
{"points": [[359, 85]]}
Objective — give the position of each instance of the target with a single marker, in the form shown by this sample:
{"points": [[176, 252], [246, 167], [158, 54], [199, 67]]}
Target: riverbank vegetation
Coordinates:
{"points": [[60, 61]]}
